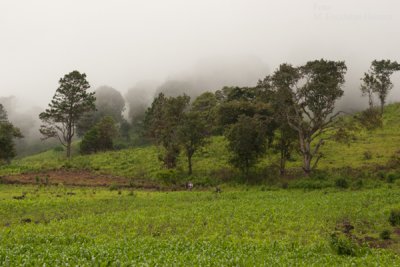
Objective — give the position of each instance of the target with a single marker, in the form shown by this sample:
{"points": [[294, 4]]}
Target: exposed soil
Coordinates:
{"points": [[74, 178]]}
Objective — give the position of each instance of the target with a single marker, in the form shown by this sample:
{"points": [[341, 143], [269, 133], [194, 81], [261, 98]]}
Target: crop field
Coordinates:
{"points": [[241, 226]]}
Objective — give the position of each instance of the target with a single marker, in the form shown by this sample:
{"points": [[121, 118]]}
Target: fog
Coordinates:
{"points": [[201, 45]]}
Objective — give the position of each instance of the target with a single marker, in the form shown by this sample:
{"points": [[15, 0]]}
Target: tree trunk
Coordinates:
{"points": [[307, 163], [190, 164], [282, 162], [305, 149], [69, 149], [382, 105]]}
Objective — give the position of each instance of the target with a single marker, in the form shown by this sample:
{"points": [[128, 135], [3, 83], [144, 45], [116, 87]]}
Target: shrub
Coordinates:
{"points": [[385, 234], [341, 183], [394, 217], [343, 245]]}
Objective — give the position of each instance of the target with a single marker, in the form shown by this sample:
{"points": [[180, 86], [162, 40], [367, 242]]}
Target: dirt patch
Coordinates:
{"points": [[73, 178]]}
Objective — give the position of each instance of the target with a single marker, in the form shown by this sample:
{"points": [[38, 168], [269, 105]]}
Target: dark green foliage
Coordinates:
{"points": [[7, 135], [109, 102], [282, 106], [88, 144], [341, 183], [192, 132], [314, 89], [161, 124], [67, 107], [394, 217], [343, 244], [247, 142], [206, 105], [100, 137], [385, 234]]}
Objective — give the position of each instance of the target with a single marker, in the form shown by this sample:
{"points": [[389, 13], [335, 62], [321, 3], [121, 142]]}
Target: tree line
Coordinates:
{"points": [[290, 110]]}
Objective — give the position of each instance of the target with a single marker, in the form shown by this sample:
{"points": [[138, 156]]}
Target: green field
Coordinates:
{"points": [[290, 221], [240, 226]]}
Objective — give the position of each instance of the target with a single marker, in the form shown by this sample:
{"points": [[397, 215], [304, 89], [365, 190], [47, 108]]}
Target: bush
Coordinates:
{"points": [[341, 183], [343, 245], [385, 234], [394, 217]]}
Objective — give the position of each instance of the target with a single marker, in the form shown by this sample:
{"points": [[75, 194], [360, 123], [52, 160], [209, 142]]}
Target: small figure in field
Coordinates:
{"points": [[218, 189], [189, 186]]}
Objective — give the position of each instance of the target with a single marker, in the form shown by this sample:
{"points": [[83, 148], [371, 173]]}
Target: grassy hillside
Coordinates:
{"points": [[142, 163]]}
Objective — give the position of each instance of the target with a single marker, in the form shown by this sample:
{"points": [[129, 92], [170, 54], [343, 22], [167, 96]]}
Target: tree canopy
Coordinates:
{"points": [[68, 105]]}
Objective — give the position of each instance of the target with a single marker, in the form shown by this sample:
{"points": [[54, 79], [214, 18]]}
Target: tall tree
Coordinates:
{"points": [[247, 142], [368, 88], [275, 92], [314, 89], [7, 135], [162, 121], [192, 132], [69, 103], [381, 70]]}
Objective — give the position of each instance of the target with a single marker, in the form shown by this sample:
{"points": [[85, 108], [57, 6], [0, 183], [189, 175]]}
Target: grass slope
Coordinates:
{"points": [[143, 162]]}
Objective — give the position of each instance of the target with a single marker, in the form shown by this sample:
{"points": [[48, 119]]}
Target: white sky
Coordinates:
{"points": [[120, 43]]}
